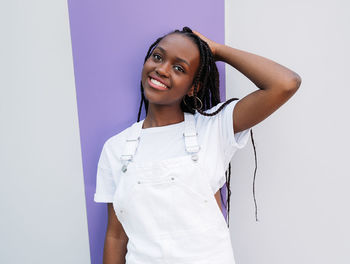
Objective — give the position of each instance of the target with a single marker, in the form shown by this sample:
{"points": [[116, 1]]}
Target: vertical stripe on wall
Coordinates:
{"points": [[42, 201], [110, 40]]}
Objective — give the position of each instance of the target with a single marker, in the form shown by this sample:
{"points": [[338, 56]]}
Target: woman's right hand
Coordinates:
{"points": [[212, 44]]}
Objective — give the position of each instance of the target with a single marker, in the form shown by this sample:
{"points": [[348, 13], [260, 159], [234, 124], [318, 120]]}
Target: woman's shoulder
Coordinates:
{"points": [[211, 110], [220, 120], [118, 139], [215, 107]]}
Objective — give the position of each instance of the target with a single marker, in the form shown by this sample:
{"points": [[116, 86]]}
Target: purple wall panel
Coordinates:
{"points": [[110, 40]]}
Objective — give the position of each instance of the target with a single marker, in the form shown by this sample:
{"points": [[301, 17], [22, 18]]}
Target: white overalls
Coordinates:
{"points": [[167, 207]]}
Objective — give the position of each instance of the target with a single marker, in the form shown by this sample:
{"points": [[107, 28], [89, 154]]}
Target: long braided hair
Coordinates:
{"points": [[207, 79]]}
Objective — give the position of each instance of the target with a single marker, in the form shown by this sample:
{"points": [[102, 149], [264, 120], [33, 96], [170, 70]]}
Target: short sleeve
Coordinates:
{"points": [[220, 142], [230, 141], [105, 184]]}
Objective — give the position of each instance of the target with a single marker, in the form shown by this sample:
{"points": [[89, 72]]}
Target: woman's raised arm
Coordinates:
{"points": [[276, 83]]}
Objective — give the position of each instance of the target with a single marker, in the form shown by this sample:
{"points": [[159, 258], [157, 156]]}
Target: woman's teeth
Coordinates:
{"points": [[158, 83]]}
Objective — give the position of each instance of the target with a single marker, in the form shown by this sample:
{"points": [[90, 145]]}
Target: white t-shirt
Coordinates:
{"points": [[216, 138]]}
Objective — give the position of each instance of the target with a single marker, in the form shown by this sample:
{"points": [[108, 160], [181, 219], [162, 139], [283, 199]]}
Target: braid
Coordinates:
{"points": [[143, 98], [228, 178], [207, 83]]}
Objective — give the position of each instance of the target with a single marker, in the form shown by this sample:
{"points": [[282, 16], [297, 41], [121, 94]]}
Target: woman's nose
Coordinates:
{"points": [[163, 70]]}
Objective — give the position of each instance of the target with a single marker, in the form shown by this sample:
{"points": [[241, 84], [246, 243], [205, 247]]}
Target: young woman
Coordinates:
{"points": [[161, 177]]}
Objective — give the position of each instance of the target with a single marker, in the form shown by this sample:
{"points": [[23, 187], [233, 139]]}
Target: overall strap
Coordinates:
{"points": [[131, 144], [132, 141], [190, 136]]}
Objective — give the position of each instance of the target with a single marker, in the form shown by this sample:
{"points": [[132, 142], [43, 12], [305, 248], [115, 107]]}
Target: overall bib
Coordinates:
{"points": [[167, 207]]}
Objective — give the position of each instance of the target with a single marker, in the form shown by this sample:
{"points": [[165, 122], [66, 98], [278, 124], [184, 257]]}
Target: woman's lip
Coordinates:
{"points": [[158, 87]]}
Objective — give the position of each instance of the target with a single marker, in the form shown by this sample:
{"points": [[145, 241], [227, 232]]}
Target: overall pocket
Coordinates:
{"points": [[163, 205]]}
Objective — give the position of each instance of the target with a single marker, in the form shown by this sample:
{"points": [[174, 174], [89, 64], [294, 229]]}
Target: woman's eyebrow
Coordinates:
{"points": [[177, 58]]}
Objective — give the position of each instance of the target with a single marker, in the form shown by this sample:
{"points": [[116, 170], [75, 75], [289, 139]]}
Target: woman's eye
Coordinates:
{"points": [[178, 68], [157, 57]]}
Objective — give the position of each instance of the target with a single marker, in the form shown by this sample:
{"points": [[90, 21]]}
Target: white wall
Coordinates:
{"points": [[302, 184], [42, 202]]}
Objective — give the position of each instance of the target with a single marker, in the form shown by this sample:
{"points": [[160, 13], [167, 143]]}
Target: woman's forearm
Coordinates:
{"points": [[264, 73], [114, 250]]}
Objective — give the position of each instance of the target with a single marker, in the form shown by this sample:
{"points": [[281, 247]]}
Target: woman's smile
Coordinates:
{"points": [[157, 84]]}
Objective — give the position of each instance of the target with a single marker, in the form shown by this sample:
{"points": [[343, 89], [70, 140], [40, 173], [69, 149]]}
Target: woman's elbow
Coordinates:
{"points": [[293, 84]]}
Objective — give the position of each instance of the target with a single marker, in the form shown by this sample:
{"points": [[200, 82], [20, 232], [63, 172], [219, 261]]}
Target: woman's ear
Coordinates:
{"points": [[190, 92]]}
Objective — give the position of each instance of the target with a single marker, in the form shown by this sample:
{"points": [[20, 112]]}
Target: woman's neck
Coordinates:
{"points": [[162, 115]]}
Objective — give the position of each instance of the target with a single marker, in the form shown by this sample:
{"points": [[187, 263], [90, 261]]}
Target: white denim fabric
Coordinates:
{"points": [[218, 141], [167, 207]]}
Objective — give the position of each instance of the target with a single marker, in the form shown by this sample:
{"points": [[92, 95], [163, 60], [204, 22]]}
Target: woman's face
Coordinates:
{"points": [[167, 75]]}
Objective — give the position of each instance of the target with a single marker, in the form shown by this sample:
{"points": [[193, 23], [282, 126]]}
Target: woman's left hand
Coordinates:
{"points": [[212, 44]]}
